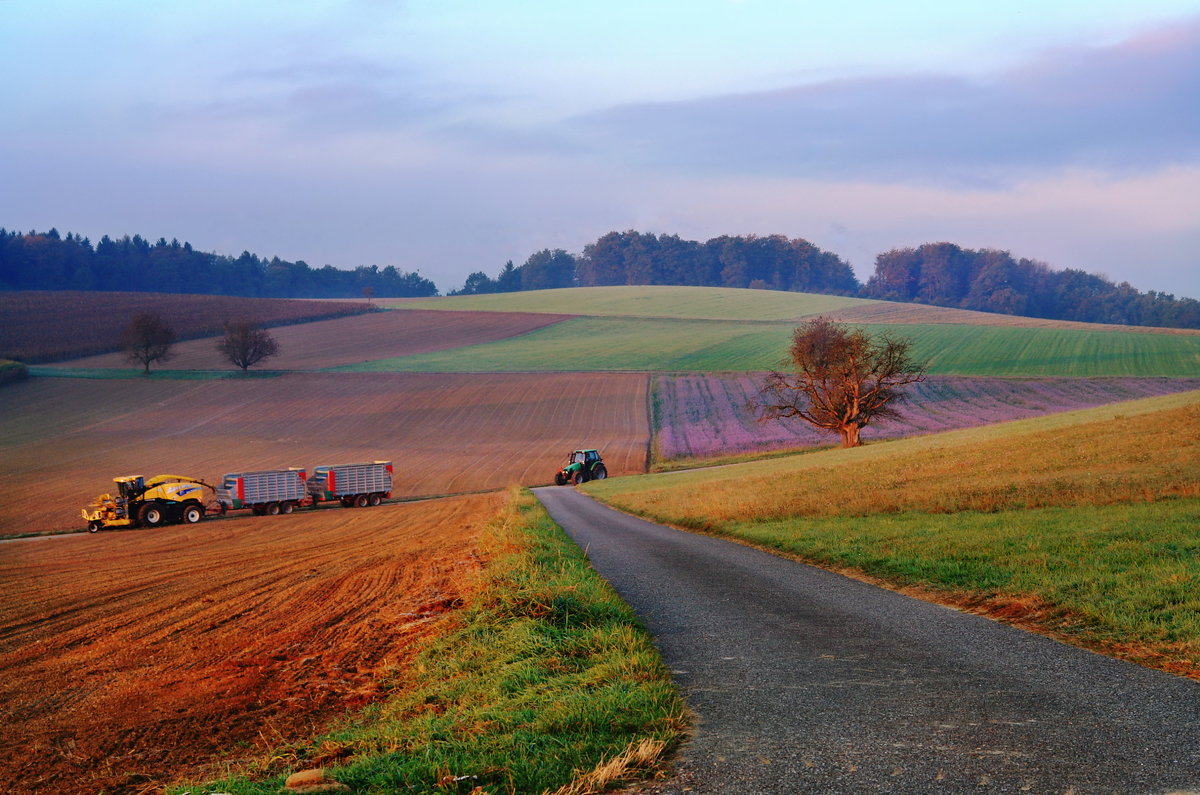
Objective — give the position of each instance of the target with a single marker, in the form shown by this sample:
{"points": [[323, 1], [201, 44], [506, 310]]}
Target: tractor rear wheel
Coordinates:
{"points": [[580, 476], [192, 513], [151, 515], [599, 473]]}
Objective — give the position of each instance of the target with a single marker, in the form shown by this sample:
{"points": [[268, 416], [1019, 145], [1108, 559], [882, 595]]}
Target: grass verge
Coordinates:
{"points": [[12, 371], [548, 683]]}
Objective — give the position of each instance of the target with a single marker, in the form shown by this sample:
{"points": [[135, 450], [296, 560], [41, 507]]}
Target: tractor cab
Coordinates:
{"points": [[131, 487]]}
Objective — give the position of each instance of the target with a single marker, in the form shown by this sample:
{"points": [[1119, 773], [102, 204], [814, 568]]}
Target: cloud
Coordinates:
{"points": [[1119, 109]]}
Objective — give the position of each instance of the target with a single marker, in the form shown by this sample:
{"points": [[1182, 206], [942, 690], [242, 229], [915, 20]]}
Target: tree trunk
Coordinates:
{"points": [[850, 436]]}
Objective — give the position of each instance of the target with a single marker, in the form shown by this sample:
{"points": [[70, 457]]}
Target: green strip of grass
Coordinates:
{"points": [[101, 373], [548, 675], [685, 345]]}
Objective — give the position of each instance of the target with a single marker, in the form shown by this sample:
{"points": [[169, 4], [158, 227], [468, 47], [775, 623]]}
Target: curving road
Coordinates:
{"points": [[807, 681]]}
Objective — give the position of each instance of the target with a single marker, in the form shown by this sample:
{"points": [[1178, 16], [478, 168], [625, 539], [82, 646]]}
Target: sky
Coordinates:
{"points": [[449, 136]]}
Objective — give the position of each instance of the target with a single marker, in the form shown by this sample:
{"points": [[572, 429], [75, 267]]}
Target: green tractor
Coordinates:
{"points": [[582, 466]]}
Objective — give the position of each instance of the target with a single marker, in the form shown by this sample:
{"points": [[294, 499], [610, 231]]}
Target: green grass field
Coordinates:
{"points": [[681, 345], [549, 676], [712, 303], [1093, 516]]}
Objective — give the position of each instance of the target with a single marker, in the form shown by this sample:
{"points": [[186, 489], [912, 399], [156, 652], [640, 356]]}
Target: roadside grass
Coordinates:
{"points": [[1085, 523], [547, 679], [688, 345], [715, 303]]}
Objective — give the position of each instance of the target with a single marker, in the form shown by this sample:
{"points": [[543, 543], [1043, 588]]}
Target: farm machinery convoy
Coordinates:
{"points": [[171, 499]]}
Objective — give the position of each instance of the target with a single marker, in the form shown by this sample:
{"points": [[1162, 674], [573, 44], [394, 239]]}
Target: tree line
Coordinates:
{"points": [[49, 261], [773, 262], [941, 274], [944, 274]]}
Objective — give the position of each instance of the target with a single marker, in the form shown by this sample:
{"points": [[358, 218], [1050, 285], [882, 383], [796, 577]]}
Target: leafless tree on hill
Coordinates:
{"points": [[148, 338], [843, 379], [246, 343]]}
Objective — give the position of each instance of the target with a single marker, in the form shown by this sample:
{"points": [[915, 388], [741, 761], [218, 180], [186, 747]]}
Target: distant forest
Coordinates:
{"points": [[941, 274], [48, 261]]}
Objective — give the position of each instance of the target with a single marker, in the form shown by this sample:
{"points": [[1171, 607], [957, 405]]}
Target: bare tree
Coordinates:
{"points": [[246, 344], [843, 379], [148, 339]]}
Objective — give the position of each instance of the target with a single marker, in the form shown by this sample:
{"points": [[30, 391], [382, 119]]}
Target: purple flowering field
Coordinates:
{"points": [[708, 415]]}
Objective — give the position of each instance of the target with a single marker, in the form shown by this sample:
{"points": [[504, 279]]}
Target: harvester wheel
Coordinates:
{"points": [[287, 507], [599, 473], [94, 526], [192, 514], [375, 499], [151, 515], [360, 501]]}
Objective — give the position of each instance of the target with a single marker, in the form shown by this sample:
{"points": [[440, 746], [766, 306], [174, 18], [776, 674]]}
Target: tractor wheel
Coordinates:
{"points": [[151, 515], [560, 479], [272, 509], [580, 476], [360, 501], [192, 513], [287, 507], [599, 473], [375, 500]]}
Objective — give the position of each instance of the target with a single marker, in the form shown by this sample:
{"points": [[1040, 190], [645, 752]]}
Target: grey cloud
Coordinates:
{"points": [[1119, 108]]}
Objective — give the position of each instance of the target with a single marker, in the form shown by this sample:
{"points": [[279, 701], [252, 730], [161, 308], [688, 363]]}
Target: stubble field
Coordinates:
{"points": [[135, 658], [63, 440]]}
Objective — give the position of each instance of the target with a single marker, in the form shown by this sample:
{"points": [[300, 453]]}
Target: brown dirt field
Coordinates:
{"points": [[907, 314], [42, 325], [349, 340], [132, 659], [62, 440]]}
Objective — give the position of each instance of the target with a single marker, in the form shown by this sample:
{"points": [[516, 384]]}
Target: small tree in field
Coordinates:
{"points": [[246, 344], [148, 339], [843, 379]]}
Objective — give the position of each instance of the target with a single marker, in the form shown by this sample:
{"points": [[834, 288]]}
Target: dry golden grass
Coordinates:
{"points": [[134, 657], [1120, 459]]}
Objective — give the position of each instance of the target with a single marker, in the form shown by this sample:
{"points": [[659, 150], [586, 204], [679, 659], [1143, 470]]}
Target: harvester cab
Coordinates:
{"points": [[163, 499], [582, 466]]}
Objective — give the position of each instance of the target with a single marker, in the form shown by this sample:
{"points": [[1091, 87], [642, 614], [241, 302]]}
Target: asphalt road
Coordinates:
{"points": [[807, 681]]}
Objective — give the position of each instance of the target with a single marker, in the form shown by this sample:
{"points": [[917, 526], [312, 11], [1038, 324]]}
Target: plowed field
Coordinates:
{"points": [[135, 658], [39, 325], [63, 440], [349, 340]]}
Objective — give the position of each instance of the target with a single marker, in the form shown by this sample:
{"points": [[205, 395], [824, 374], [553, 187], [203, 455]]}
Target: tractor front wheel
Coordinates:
{"points": [[151, 515], [560, 479]]}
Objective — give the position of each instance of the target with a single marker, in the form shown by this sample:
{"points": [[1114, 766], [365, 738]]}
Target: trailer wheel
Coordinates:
{"points": [[375, 499], [272, 509], [258, 509], [360, 501], [192, 514], [287, 507], [151, 515], [347, 502]]}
